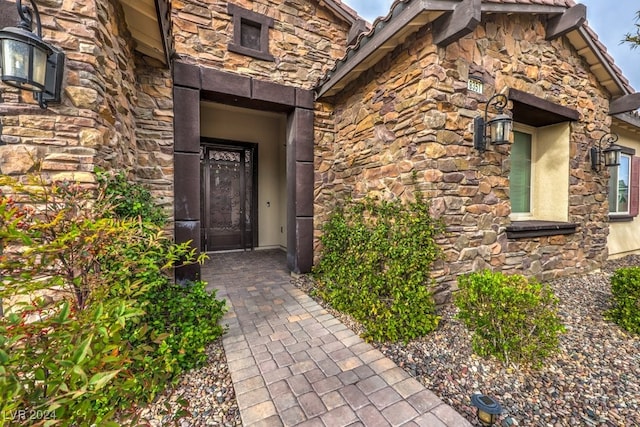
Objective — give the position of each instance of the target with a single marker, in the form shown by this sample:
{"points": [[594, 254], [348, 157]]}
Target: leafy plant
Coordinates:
{"points": [[130, 200], [634, 38], [625, 310], [375, 265], [190, 315], [81, 284], [512, 318]]}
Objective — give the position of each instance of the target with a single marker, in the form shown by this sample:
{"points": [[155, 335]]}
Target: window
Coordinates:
{"points": [[250, 33], [619, 186], [624, 187], [539, 174], [520, 175], [539, 167]]}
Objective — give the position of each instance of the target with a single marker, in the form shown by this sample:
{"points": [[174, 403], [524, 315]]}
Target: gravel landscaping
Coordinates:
{"points": [[593, 381], [203, 397]]}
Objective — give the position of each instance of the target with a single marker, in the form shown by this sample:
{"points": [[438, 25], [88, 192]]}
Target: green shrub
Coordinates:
{"points": [[625, 310], [512, 318], [375, 265], [79, 340], [190, 315], [130, 200]]}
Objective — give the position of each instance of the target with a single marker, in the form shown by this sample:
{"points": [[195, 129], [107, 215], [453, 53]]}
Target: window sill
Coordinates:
{"points": [[258, 54], [528, 229], [620, 218]]}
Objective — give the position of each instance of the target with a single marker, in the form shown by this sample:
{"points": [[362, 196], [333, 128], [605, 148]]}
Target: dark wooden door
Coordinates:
{"points": [[227, 183]]}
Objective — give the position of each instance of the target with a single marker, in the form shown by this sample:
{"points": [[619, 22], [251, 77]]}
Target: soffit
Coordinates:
{"points": [[602, 65], [148, 22], [629, 121], [537, 112], [407, 16]]}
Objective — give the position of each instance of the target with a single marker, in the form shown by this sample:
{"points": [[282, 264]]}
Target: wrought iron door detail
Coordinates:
{"points": [[227, 197]]}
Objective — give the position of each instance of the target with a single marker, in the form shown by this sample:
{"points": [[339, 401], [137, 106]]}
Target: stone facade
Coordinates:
{"points": [[305, 40], [116, 110], [413, 114]]}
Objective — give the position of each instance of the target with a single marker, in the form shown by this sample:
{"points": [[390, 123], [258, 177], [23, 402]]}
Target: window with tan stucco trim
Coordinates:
{"points": [[548, 177]]}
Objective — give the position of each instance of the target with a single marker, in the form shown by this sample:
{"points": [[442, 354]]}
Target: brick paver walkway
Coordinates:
{"points": [[294, 364]]}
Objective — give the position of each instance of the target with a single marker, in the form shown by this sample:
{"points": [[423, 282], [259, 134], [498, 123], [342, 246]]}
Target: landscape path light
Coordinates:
{"points": [[488, 409]]}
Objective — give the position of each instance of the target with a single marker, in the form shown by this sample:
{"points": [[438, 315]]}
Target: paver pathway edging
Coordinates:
{"points": [[293, 364]]}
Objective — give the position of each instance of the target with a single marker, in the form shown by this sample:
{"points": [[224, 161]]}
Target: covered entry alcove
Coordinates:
{"points": [[236, 113]]}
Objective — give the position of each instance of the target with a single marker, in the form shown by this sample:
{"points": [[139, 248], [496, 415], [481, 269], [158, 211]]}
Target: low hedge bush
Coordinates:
{"points": [[625, 288], [375, 265], [512, 318]]}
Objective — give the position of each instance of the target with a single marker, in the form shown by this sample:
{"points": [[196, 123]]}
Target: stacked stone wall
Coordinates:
{"points": [[94, 124], [116, 110], [153, 113], [305, 41], [412, 114]]}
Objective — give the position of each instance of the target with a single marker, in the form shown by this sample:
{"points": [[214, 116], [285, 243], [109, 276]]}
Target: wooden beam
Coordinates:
{"points": [[624, 104], [457, 24], [357, 28], [163, 13], [570, 20], [584, 50], [544, 105], [519, 7]]}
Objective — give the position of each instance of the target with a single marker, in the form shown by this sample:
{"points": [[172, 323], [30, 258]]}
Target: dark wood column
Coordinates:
{"points": [[186, 155], [300, 194]]}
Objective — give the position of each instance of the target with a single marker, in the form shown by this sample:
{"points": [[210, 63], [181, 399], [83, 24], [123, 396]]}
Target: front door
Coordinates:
{"points": [[228, 197]]}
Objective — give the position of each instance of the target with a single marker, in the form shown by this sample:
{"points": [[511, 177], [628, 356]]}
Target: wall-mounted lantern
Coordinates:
{"points": [[607, 152], [499, 127], [28, 62], [488, 409]]}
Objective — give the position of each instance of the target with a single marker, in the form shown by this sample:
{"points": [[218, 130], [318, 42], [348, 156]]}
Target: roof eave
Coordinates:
{"points": [[373, 46], [598, 63], [341, 11], [389, 32], [149, 22], [630, 119]]}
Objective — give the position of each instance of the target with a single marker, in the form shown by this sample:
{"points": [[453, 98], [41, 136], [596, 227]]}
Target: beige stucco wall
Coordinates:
{"points": [[268, 130], [624, 237], [551, 173]]}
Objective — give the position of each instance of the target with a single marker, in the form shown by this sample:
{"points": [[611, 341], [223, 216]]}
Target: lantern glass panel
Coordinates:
{"points": [[485, 418], [23, 65], [500, 129], [611, 157]]}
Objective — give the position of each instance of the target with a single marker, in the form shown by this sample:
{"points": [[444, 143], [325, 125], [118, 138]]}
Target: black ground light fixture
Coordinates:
{"points": [[607, 152], [28, 62], [488, 409], [499, 127]]}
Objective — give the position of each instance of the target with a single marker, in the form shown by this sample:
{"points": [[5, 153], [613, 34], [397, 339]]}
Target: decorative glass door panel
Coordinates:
{"points": [[227, 197]]}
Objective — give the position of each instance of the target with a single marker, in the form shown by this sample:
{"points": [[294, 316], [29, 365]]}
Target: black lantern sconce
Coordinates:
{"points": [[608, 156], [28, 62], [488, 409], [499, 126]]}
